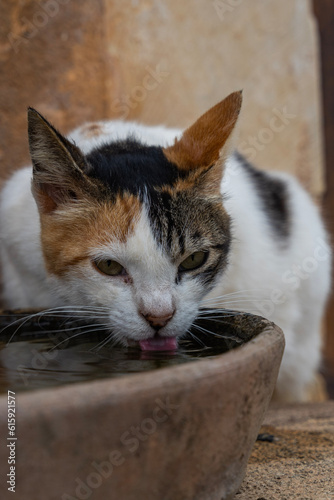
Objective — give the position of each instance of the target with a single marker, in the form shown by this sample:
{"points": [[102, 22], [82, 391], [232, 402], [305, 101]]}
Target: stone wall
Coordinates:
{"points": [[165, 62]]}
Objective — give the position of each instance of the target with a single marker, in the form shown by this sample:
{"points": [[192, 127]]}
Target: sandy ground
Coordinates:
{"points": [[299, 462]]}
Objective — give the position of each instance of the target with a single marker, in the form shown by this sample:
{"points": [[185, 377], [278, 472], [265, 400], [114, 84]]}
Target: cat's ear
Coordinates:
{"points": [[58, 165], [208, 140]]}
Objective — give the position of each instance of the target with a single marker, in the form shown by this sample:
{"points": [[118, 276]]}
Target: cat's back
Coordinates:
{"points": [[272, 216], [18, 211], [23, 272], [95, 134]]}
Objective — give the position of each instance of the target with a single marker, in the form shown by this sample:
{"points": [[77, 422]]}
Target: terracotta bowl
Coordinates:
{"points": [[183, 432]]}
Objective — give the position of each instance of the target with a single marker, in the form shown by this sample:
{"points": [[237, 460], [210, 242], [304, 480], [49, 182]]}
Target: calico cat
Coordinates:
{"points": [[142, 226]]}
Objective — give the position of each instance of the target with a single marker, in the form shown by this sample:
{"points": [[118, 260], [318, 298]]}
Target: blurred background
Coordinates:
{"points": [[168, 62]]}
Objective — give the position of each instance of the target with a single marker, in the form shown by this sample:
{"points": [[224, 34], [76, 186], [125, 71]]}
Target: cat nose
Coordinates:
{"points": [[158, 321]]}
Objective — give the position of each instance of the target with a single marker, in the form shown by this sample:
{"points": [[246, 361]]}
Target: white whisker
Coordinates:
{"points": [[101, 344], [77, 335], [246, 291], [197, 339], [215, 334], [67, 312]]}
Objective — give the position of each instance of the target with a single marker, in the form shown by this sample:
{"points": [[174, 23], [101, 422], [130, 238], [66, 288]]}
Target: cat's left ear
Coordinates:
{"points": [[206, 144], [58, 165]]}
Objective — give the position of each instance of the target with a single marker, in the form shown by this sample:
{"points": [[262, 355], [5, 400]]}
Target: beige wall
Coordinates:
{"points": [[165, 62]]}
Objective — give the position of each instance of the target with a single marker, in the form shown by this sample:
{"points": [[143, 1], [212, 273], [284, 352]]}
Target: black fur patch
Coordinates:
{"points": [[132, 167], [193, 224], [180, 219], [274, 197]]}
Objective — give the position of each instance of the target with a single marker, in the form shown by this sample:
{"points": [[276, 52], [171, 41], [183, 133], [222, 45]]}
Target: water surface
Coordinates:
{"points": [[42, 351]]}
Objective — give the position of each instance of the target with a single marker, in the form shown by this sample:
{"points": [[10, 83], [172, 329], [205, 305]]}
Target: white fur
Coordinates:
{"points": [[263, 276], [288, 285]]}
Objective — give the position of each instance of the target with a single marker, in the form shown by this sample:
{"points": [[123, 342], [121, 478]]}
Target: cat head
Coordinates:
{"points": [[137, 232]]}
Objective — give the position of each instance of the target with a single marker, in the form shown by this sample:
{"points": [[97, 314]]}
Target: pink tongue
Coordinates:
{"points": [[158, 344]]}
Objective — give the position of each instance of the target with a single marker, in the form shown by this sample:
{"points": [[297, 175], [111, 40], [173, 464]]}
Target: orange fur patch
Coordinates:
{"points": [[206, 181], [200, 144], [92, 130], [68, 236]]}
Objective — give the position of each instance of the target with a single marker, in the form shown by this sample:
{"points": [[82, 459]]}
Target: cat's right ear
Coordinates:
{"points": [[58, 165], [205, 145]]}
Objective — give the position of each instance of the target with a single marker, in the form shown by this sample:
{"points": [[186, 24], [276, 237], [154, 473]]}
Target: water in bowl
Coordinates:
{"points": [[42, 350]]}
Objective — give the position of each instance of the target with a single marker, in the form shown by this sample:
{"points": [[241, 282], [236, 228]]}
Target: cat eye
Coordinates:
{"points": [[109, 267], [194, 261]]}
